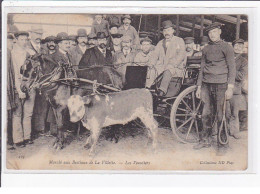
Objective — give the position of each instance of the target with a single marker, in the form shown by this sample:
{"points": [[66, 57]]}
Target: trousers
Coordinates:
{"points": [[165, 82], [212, 96], [22, 118]]}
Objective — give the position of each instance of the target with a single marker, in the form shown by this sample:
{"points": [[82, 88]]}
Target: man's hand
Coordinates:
{"points": [[22, 95], [229, 92], [198, 92]]}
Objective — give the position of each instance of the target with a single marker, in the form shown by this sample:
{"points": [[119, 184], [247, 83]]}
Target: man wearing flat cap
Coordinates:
{"points": [[234, 104], [169, 57], [113, 33], [34, 46], [97, 56], [100, 25], [92, 40], [189, 44], [116, 43], [49, 41], [215, 82], [80, 49], [22, 114], [127, 29], [125, 57], [143, 57]]}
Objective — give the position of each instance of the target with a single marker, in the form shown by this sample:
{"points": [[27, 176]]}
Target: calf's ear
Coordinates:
{"points": [[86, 100]]}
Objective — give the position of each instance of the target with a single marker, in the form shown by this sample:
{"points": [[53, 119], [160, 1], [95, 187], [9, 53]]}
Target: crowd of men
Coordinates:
{"points": [[117, 44]]}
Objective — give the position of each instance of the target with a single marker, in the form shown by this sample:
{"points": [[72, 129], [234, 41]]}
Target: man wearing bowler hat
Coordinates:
{"points": [[215, 82], [49, 42], [80, 49], [169, 57], [92, 40], [62, 56], [127, 29], [97, 56]]}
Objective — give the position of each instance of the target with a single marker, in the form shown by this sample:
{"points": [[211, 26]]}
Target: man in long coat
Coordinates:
{"points": [[169, 57], [97, 56]]}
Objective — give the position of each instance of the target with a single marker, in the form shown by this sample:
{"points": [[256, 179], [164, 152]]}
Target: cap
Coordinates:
{"points": [[146, 39], [62, 36], [48, 39], [101, 35], [213, 26], [241, 41], [82, 33], [126, 16], [188, 40], [167, 24], [92, 36], [204, 40], [126, 38], [21, 33], [36, 29], [117, 35]]}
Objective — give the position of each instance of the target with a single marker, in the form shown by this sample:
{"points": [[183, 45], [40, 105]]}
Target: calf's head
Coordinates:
{"points": [[76, 106]]}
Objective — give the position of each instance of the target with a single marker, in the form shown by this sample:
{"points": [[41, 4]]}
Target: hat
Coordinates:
{"points": [[10, 36], [204, 40], [213, 26], [241, 41], [188, 40], [117, 35], [49, 39], [126, 16], [92, 36], [167, 24], [36, 29], [101, 35], [146, 39], [62, 36], [21, 33], [82, 33], [113, 25], [126, 38]]}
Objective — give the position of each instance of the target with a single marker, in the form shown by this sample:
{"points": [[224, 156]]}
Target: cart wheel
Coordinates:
{"points": [[185, 116]]}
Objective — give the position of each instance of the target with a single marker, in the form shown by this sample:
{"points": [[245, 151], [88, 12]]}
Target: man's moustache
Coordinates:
{"points": [[51, 47]]}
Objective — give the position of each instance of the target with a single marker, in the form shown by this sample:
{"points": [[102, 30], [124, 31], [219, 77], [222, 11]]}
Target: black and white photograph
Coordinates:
{"points": [[97, 91]]}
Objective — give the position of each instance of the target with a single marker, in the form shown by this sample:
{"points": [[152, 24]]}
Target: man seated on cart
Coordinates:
{"points": [[143, 57], [169, 57]]}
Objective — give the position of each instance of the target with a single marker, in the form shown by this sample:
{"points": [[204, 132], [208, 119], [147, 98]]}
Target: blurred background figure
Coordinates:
{"points": [[92, 40], [116, 43], [34, 46], [100, 25], [190, 45], [72, 40]]}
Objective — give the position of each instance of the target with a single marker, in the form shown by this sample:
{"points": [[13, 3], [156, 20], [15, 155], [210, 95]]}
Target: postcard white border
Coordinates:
{"points": [[249, 8]]}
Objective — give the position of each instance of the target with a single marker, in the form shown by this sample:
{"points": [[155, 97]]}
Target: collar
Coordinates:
{"points": [[63, 52], [145, 55], [126, 28], [35, 46], [216, 43], [101, 50], [83, 48], [127, 52]]}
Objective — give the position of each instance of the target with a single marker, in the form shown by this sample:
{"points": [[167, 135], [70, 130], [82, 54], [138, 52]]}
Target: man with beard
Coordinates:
{"points": [[125, 57], [169, 57], [215, 83], [100, 25], [34, 45], [80, 49], [92, 40], [50, 44], [127, 29], [235, 103], [97, 56]]}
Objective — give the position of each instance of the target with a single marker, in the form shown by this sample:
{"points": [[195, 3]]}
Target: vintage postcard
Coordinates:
{"points": [[125, 91]]}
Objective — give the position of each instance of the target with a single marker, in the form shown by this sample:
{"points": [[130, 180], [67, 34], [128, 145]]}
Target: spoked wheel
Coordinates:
{"points": [[185, 116]]}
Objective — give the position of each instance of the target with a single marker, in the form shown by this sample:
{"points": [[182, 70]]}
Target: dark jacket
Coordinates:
{"points": [[93, 57], [59, 57], [217, 64], [11, 103], [241, 72], [76, 55]]}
